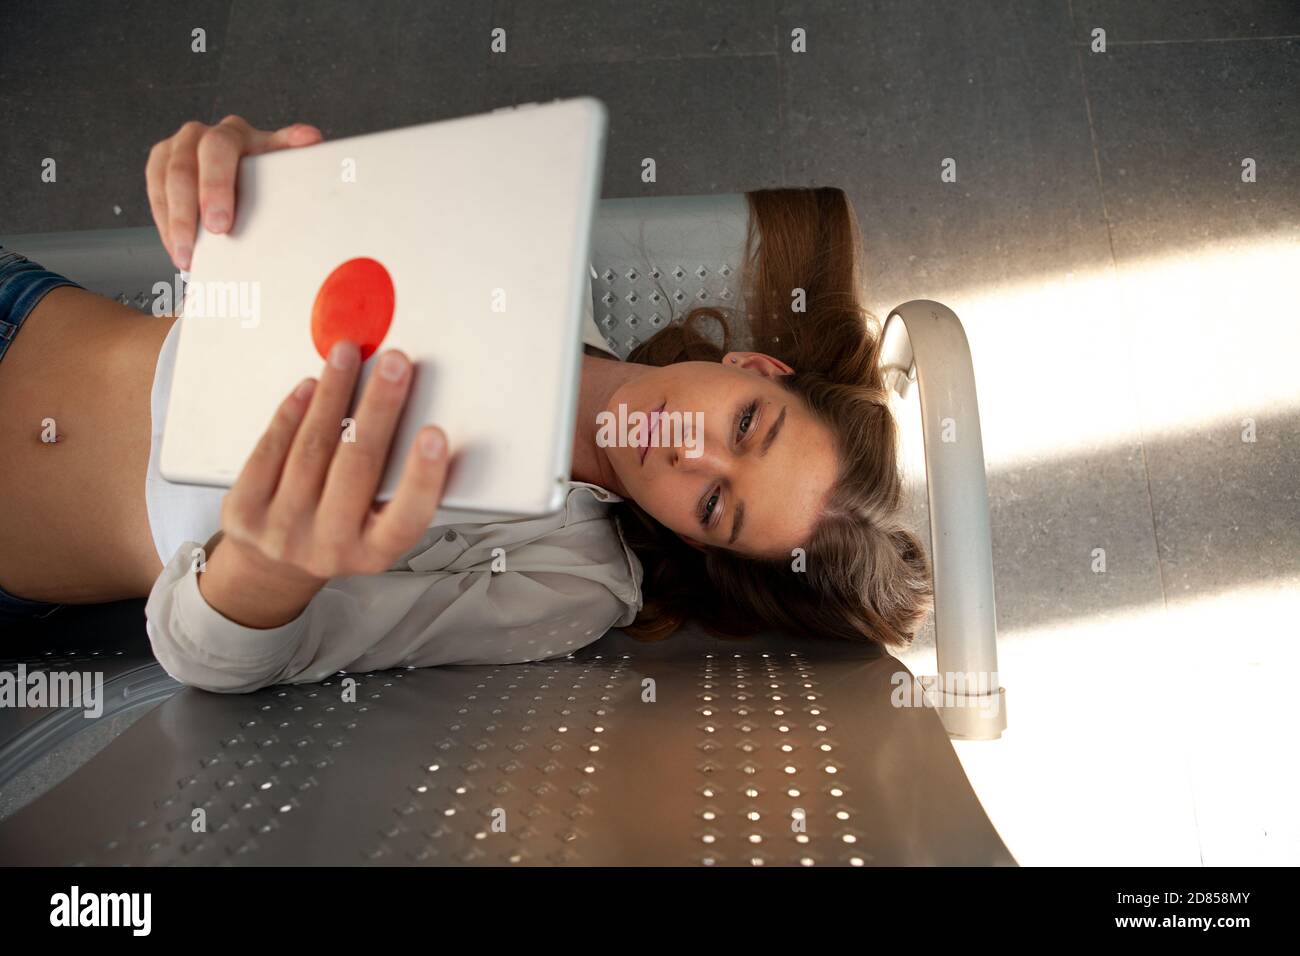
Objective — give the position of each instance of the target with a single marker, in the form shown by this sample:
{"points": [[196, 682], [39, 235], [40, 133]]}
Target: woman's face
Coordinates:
{"points": [[730, 443]]}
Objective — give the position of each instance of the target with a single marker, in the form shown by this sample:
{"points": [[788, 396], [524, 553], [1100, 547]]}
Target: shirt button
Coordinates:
{"points": [[449, 536]]}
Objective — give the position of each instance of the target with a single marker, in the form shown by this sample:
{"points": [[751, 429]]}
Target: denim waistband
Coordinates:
{"points": [[23, 284]]}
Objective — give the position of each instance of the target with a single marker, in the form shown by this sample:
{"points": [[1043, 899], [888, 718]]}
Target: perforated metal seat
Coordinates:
{"points": [[768, 751], [655, 260], [689, 752]]}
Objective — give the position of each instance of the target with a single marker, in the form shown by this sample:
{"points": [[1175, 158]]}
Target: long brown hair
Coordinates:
{"points": [[865, 575]]}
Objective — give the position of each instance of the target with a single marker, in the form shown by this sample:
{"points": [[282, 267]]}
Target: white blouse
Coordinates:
{"points": [[568, 578]]}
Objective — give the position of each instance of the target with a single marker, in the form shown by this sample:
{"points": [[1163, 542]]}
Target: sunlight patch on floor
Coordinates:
{"points": [[1066, 363], [1150, 737]]}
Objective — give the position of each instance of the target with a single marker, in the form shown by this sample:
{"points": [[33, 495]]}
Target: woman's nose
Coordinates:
{"points": [[697, 448]]}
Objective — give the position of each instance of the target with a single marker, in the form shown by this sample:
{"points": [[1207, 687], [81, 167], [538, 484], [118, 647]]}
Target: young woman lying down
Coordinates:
{"points": [[788, 517]]}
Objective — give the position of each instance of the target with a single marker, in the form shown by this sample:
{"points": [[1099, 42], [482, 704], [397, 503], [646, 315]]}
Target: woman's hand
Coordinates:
{"points": [[301, 510], [193, 172]]}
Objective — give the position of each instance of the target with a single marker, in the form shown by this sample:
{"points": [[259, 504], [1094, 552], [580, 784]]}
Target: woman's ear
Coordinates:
{"points": [[759, 362]]}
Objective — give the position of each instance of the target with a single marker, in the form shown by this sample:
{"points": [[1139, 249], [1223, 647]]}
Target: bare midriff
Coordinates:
{"points": [[74, 527]]}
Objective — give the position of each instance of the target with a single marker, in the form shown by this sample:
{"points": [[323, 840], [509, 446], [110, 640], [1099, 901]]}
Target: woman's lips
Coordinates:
{"points": [[655, 419]]}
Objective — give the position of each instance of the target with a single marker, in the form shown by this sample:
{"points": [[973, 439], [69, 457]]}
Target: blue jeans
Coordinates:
{"points": [[23, 284]]}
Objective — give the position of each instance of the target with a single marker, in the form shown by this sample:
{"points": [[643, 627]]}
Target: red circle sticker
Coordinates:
{"points": [[355, 302]]}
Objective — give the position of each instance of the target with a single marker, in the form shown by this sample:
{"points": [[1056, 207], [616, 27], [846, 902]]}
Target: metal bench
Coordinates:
{"points": [[692, 751]]}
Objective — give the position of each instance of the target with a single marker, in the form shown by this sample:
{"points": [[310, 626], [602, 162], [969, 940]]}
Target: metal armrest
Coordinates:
{"points": [[924, 343]]}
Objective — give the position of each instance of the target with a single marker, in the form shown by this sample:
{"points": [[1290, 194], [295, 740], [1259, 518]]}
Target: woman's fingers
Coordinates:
{"points": [[249, 497], [155, 182], [288, 137], [317, 440], [219, 149], [394, 529], [182, 189], [359, 461], [277, 505], [193, 173]]}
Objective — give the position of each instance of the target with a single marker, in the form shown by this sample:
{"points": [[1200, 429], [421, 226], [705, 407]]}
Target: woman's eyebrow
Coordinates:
{"points": [[739, 519], [736, 522], [772, 433]]}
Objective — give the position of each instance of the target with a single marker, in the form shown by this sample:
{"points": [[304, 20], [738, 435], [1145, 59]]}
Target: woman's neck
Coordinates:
{"points": [[601, 378]]}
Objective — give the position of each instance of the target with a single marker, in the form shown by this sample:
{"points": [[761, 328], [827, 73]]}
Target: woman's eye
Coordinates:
{"points": [[708, 509], [747, 417]]}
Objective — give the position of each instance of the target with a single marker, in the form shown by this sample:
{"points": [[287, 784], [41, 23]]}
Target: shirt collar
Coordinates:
{"points": [[604, 494]]}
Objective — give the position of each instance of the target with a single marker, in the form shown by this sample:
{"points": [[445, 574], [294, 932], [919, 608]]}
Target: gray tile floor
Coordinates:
{"points": [[1129, 299]]}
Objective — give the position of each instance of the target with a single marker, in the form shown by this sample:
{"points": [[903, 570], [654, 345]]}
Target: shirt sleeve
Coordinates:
{"points": [[398, 618]]}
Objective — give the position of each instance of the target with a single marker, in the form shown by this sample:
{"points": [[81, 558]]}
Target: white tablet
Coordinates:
{"points": [[465, 243]]}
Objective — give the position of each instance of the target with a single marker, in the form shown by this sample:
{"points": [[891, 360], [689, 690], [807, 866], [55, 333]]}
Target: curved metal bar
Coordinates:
{"points": [[924, 342], [143, 686]]}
